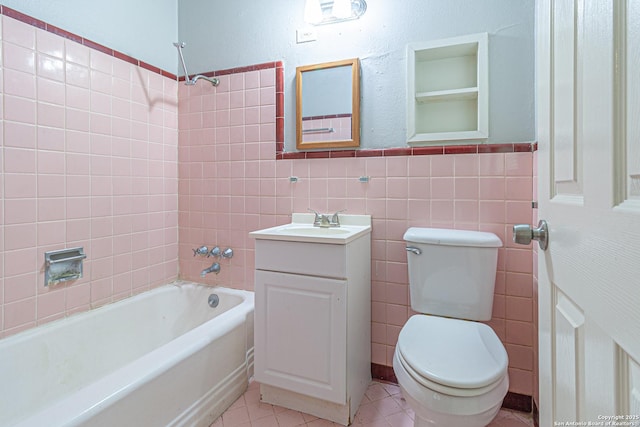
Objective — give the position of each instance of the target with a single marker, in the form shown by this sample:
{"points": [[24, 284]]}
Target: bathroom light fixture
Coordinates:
{"points": [[319, 12], [342, 9], [312, 11]]}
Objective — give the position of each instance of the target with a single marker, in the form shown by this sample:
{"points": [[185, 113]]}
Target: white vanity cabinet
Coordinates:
{"points": [[312, 325], [303, 334]]}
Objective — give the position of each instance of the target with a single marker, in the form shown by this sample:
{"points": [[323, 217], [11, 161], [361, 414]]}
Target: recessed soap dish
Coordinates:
{"points": [[63, 265]]}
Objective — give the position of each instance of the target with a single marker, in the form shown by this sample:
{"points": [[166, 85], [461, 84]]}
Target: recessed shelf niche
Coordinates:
{"points": [[447, 89]]}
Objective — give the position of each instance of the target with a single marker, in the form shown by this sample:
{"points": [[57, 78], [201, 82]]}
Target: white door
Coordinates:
{"points": [[589, 192]]}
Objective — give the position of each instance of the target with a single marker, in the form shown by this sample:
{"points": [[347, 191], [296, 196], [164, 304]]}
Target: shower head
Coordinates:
{"points": [[192, 81], [195, 78]]}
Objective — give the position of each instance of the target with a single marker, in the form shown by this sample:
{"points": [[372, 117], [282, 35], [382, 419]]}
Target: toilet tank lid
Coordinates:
{"points": [[442, 236]]}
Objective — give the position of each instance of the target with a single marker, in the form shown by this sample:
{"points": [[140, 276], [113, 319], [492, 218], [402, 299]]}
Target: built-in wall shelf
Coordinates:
{"points": [[447, 89], [447, 95]]}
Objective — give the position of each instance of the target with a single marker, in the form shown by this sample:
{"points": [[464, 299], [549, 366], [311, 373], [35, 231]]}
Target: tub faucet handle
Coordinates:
{"points": [[202, 251], [227, 253], [215, 252]]}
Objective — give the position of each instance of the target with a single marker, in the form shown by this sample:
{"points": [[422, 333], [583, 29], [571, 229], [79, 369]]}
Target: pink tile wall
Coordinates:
{"points": [[227, 171], [230, 184], [89, 158]]}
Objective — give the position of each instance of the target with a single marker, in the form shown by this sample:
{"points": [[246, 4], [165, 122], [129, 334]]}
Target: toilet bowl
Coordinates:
{"points": [[452, 369], [451, 372]]}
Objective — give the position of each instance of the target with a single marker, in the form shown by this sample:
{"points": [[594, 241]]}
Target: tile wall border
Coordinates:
{"points": [[518, 147]]}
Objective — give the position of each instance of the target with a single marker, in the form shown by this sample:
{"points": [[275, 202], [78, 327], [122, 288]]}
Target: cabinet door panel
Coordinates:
{"points": [[300, 339]]}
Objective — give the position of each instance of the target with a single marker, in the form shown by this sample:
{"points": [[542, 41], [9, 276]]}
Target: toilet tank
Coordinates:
{"points": [[452, 273]]}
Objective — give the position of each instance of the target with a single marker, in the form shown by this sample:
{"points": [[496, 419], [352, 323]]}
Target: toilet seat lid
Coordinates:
{"points": [[453, 352]]}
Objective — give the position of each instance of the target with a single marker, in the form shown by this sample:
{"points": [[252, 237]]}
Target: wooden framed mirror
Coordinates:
{"points": [[328, 105]]}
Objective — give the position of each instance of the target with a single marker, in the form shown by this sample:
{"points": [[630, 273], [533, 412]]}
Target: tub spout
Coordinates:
{"points": [[215, 268]]}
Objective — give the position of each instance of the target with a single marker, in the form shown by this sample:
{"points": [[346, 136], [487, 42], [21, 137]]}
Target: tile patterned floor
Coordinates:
{"points": [[382, 406]]}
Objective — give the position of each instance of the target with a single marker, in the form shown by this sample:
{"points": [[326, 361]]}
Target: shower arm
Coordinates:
{"points": [[188, 81]]}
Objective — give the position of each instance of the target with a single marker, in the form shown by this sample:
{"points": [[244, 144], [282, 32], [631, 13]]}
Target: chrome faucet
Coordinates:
{"points": [[325, 220], [335, 220], [215, 268]]}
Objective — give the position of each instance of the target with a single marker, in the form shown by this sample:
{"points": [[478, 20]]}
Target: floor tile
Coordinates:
{"points": [[382, 406]]}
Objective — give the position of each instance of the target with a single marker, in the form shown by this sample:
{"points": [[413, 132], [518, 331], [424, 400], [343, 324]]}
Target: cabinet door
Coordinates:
{"points": [[300, 334]]}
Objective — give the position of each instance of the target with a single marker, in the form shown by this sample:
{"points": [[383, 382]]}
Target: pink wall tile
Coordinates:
{"points": [[51, 305], [51, 186], [466, 188], [442, 166], [519, 164], [50, 44], [19, 58], [19, 314], [518, 332], [78, 75], [52, 209], [19, 160], [492, 188], [519, 188], [521, 381], [20, 236], [519, 308], [51, 233], [17, 32], [19, 135], [50, 68], [492, 211], [466, 211], [51, 115], [19, 83], [18, 288], [520, 357], [396, 166], [442, 188], [466, 165], [20, 211], [22, 261], [19, 109]]}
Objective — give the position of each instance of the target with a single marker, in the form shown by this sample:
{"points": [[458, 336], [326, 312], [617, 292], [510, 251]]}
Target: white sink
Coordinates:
{"points": [[313, 231], [301, 229]]}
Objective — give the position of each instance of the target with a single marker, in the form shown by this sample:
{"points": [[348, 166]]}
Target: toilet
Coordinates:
{"points": [[452, 369]]}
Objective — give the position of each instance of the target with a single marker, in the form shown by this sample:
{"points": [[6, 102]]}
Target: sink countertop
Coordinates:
{"points": [[301, 229]]}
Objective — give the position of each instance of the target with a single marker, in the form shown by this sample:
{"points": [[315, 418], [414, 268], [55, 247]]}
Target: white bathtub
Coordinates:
{"points": [[161, 358]]}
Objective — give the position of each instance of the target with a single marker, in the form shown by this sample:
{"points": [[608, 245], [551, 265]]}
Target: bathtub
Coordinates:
{"points": [[161, 358]]}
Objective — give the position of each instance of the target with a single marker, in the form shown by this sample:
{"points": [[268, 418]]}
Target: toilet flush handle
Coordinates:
{"points": [[414, 250]]}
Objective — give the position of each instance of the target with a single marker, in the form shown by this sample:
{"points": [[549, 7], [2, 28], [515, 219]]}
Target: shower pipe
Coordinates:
{"points": [[192, 81]]}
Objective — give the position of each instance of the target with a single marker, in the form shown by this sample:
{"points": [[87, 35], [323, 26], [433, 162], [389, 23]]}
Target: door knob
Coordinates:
{"points": [[523, 234]]}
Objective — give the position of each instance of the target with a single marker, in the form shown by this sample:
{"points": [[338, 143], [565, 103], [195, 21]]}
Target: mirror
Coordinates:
{"points": [[328, 105]]}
